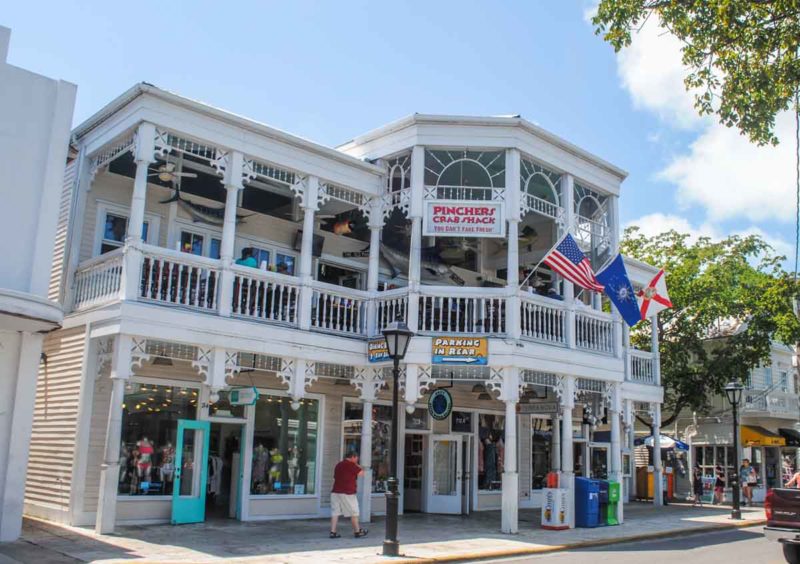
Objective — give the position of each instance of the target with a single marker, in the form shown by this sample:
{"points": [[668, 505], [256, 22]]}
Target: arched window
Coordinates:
{"points": [[464, 168]]}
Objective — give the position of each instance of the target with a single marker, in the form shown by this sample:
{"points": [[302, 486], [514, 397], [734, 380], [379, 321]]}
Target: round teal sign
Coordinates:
{"points": [[440, 404]]}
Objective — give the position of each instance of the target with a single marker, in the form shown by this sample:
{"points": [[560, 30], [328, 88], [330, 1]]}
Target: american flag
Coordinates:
{"points": [[568, 260]]}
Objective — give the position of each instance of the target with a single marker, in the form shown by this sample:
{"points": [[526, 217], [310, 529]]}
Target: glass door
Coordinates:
{"points": [[191, 472], [598, 468], [445, 474]]}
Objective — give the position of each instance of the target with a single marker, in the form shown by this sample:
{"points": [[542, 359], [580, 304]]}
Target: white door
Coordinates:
{"points": [[444, 474]]}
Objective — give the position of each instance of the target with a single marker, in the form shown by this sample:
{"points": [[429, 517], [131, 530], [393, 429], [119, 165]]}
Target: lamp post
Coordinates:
{"points": [[734, 392], [398, 336]]}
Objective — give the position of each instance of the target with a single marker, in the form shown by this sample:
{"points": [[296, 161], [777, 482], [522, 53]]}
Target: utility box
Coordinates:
{"points": [[555, 509], [614, 494], [587, 502]]}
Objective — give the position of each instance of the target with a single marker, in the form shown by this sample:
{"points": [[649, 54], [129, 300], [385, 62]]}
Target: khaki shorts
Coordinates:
{"points": [[344, 504]]}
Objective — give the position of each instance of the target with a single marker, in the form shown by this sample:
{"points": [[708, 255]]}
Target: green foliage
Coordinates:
{"points": [[711, 283], [741, 55]]}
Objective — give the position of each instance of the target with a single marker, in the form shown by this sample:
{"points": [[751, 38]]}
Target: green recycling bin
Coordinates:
{"points": [[613, 501]]}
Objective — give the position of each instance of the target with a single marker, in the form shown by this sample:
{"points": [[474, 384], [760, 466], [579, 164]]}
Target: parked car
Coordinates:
{"points": [[782, 506]]}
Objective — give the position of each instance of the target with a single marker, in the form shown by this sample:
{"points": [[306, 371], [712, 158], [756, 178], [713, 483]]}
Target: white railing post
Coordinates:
{"points": [[309, 204], [131, 272], [375, 226], [512, 193], [233, 185]]}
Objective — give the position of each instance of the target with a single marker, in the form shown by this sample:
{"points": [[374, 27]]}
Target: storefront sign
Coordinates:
{"points": [[244, 396], [440, 404], [355, 254], [453, 218], [462, 422], [545, 407], [377, 351], [467, 351]]}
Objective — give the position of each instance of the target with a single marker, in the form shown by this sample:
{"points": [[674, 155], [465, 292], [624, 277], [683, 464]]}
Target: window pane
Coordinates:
{"points": [[284, 264], [149, 426], [541, 437], [213, 252], [145, 230], [284, 446], [192, 243], [261, 256], [418, 420], [381, 438], [108, 247], [491, 451], [115, 228], [445, 466]]}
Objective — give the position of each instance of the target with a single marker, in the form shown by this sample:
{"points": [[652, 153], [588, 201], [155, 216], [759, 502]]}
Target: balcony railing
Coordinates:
{"points": [[171, 278], [771, 403]]}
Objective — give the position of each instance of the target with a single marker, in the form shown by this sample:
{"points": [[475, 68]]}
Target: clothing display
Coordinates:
{"points": [[491, 451], [214, 482]]}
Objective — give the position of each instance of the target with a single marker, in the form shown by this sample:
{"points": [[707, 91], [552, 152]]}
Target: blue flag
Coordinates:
{"points": [[619, 289]]}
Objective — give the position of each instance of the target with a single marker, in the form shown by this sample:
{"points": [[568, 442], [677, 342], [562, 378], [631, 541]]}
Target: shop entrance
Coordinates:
{"points": [[191, 455], [445, 474], [598, 460], [225, 471]]}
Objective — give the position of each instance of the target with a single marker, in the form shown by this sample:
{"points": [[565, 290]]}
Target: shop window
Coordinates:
{"points": [[192, 243], [418, 420], [150, 416], [461, 422], [707, 458], [115, 230], [541, 462], [491, 451], [381, 436], [284, 446]]}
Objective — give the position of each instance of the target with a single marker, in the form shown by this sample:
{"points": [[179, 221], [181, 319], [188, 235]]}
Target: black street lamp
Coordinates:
{"points": [[398, 336], [734, 392]]}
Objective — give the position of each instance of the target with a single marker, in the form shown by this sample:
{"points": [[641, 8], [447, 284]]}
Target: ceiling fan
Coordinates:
{"points": [[167, 173]]}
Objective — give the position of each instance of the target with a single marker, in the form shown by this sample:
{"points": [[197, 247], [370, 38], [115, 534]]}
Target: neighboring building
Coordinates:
{"points": [[162, 325], [770, 426], [35, 119]]}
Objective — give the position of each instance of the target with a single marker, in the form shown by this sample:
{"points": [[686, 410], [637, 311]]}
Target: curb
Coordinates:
{"points": [[507, 553]]}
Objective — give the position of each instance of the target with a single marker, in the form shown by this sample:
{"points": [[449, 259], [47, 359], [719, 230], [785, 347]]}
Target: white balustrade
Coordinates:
{"points": [[471, 193], [181, 279], [265, 296], [339, 309], [391, 305], [542, 206], [640, 367], [594, 332], [543, 319], [98, 280], [773, 403], [452, 310]]}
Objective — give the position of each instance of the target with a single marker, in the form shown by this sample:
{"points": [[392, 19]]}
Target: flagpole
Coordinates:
{"points": [[538, 264]]}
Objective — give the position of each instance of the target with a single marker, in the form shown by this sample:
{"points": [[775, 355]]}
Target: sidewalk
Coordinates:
{"points": [[424, 538]]}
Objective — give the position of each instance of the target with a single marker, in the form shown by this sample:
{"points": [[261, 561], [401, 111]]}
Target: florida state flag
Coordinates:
{"points": [[654, 297]]}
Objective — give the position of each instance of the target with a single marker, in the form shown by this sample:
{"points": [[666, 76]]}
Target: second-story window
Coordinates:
{"points": [[200, 245], [115, 230]]}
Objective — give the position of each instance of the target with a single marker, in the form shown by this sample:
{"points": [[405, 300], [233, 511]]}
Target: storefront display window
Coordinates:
{"points": [[381, 436], [150, 416], [418, 420], [284, 446], [541, 441], [709, 457], [491, 451]]}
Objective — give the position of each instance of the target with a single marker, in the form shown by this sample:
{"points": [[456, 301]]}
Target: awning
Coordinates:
{"points": [[792, 437], [753, 435]]}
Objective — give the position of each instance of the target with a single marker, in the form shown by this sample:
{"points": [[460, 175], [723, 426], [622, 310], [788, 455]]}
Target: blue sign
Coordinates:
{"points": [[464, 351], [440, 404]]}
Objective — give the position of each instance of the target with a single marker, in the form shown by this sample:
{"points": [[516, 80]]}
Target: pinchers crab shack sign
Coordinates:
{"points": [[463, 219]]}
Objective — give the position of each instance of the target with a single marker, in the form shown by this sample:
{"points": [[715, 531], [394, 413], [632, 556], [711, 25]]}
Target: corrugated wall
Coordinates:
{"points": [[59, 250], [52, 447]]}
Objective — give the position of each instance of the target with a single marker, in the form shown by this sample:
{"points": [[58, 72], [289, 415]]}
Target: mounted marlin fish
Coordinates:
{"points": [[431, 266], [201, 213]]}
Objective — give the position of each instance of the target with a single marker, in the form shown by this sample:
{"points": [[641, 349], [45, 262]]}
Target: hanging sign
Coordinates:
{"points": [[455, 218], [377, 351], [440, 404], [543, 407], [355, 254], [467, 351], [244, 396]]}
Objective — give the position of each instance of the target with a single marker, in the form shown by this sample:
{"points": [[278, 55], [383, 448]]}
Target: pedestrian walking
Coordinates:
{"points": [[343, 496], [794, 482], [749, 480], [719, 485], [697, 486]]}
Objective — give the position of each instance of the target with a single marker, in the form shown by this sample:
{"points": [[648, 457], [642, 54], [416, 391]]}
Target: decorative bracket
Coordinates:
{"points": [[105, 353], [495, 382], [368, 381], [220, 162], [232, 367], [202, 363], [138, 353]]}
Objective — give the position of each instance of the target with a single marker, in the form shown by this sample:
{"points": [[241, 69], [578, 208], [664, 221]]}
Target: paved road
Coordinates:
{"points": [[725, 547]]}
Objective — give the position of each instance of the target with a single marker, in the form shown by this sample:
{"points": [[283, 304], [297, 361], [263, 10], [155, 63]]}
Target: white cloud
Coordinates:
{"points": [[652, 72], [721, 171], [656, 223]]}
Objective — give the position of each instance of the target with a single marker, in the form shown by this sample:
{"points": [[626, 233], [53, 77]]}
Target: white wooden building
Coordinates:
{"points": [[162, 324]]}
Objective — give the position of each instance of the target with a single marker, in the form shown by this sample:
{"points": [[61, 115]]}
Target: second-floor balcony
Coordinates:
{"points": [[174, 279], [771, 403]]}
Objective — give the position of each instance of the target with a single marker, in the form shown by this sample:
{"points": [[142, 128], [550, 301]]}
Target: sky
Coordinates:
{"points": [[328, 71]]}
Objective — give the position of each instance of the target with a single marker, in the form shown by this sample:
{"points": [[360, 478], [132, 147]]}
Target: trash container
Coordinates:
{"points": [[602, 502], [614, 490], [587, 506]]}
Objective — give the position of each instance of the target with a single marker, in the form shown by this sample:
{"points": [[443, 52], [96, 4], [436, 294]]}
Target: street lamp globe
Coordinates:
{"points": [[734, 392], [398, 336]]}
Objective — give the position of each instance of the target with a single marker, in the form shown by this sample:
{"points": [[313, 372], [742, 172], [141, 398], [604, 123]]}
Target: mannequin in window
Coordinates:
{"points": [[124, 455], [294, 461], [260, 459], [144, 459], [276, 460], [167, 470], [490, 461]]}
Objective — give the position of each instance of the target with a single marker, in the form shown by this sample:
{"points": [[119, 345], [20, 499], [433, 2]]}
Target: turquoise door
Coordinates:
{"points": [[191, 472]]}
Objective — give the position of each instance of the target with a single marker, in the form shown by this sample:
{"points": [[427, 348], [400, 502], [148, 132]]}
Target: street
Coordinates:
{"points": [[723, 547]]}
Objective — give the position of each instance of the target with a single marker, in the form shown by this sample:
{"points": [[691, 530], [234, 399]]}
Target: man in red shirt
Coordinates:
{"points": [[343, 496]]}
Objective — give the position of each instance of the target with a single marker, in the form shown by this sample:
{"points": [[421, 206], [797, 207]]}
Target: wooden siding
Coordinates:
{"points": [[52, 447], [55, 291]]}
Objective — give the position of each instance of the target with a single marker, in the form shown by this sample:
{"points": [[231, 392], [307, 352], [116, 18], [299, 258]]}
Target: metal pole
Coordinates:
{"points": [[736, 512], [391, 546]]}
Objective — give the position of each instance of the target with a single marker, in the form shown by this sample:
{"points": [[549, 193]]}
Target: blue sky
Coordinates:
{"points": [[330, 70]]}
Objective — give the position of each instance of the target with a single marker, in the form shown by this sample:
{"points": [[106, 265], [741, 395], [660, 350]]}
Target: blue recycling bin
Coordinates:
{"points": [[602, 501], [587, 502]]}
